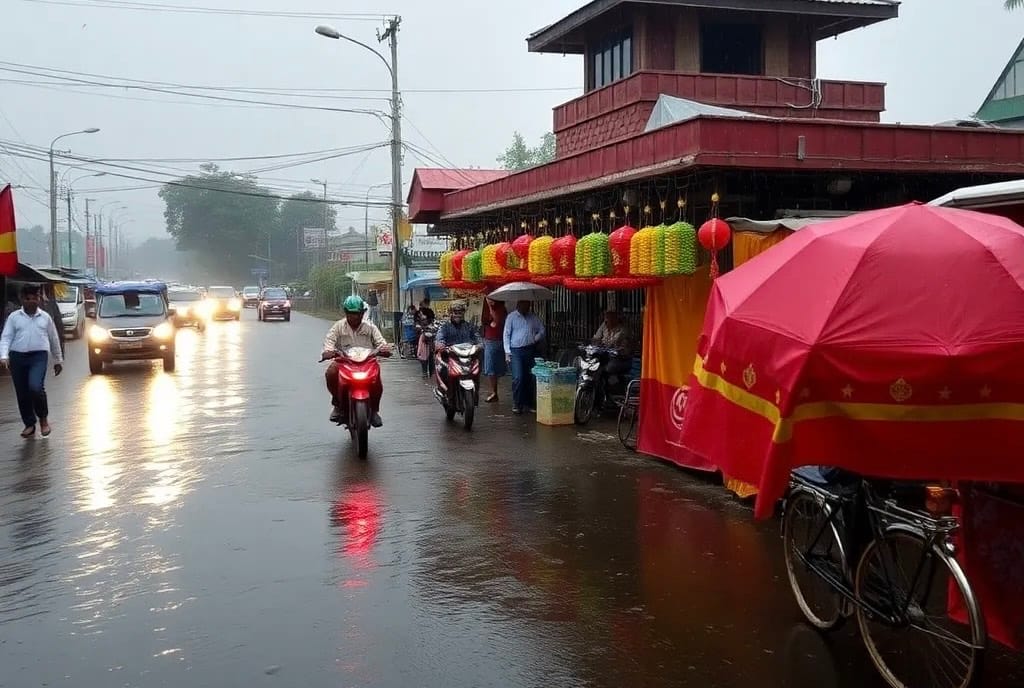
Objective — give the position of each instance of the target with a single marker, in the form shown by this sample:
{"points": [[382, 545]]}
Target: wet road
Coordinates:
{"points": [[210, 528]]}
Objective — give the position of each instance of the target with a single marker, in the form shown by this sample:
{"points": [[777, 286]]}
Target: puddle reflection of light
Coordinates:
{"points": [[163, 420], [99, 471]]}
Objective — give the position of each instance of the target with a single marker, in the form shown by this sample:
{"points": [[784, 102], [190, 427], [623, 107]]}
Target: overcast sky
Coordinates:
{"points": [[939, 59]]}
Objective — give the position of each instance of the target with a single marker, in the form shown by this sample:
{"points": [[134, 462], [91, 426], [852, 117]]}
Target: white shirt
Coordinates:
{"points": [[366, 335], [26, 333]]}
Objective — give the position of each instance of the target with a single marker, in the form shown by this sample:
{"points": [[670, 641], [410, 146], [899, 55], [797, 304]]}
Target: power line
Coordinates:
{"points": [[185, 9]]}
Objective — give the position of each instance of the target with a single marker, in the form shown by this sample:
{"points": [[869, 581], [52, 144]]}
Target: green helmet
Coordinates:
{"points": [[354, 304]]}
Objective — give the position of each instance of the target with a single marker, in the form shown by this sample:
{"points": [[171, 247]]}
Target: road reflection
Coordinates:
{"points": [[99, 467]]}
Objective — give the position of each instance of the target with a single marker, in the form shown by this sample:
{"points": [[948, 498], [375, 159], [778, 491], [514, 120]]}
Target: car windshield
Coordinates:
{"points": [[67, 293], [178, 296], [275, 294], [131, 304], [222, 292], [251, 290]]}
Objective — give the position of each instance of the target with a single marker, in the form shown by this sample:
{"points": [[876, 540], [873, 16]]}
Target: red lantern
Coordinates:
{"points": [[563, 254], [521, 246], [618, 244], [457, 260], [505, 256], [714, 235]]}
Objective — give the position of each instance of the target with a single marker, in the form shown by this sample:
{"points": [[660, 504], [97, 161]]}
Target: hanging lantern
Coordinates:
{"points": [[593, 256], [458, 261], [505, 256], [540, 262], [714, 235], [446, 265], [680, 248], [489, 261], [472, 267], [619, 245], [642, 252], [521, 247], [563, 255]]}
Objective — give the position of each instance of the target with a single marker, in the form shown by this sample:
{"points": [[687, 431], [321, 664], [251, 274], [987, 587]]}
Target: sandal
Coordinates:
{"points": [[491, 399], [44, 429], [28, 432]]}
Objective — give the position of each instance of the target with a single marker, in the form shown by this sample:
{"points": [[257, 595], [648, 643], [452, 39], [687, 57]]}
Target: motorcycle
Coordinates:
{"points": [[461, 392], [592, 388], [358, 372]]}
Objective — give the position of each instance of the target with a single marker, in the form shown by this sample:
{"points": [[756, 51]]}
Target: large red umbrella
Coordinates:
{"points": [[890, 343]]}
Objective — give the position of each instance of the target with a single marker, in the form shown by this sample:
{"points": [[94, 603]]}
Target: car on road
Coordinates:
{"points": [[190, 308], [134, 321], [274, 303], [223, 303], [250, 296], [71, 302]]}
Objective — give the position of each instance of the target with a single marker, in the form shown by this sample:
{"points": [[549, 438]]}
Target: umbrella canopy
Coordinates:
{"points": [[521, 291], [889, 343]]}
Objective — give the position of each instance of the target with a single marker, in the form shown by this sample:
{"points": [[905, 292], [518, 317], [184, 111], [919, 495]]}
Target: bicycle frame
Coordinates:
{"points": [[884, 516]]}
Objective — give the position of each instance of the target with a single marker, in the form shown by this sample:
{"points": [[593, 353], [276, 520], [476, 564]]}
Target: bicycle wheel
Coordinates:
{"points": [[813, 546], [627, 425], [900, 577]]}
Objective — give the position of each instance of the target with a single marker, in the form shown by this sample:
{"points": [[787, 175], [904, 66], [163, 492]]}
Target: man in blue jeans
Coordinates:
{"points": [[29, 337], [523, 331]]}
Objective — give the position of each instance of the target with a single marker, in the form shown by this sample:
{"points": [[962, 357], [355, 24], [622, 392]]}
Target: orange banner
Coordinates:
{"points": [[8, 242], [673, 319]]}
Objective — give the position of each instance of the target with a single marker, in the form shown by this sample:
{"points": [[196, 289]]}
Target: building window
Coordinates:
{"points": [[731, 49], [611, 59], [1012, 83]]}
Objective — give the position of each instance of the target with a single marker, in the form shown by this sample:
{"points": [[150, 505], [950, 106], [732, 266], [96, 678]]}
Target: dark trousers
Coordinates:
{"points": [[523, 393], [376, 392], [28, 372]]}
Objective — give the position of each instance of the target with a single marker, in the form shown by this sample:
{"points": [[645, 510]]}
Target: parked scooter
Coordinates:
{"points": [[594, 388], [459, 389], [358, 372]]}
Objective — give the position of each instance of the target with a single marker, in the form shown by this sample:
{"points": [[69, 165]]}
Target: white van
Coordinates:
{"points": [[71, 301]]}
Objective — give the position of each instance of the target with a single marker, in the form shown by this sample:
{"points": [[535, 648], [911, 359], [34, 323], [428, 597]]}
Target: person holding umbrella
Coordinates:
{"points": [[494, 317], [523, 331]]}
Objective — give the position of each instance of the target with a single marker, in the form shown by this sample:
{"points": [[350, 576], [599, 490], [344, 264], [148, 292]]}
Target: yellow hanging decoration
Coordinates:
{"points": [[539, 261]]}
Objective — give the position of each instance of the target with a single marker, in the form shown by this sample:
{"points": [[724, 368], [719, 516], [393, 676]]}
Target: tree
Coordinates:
{"points": [[224, 217], [1013, 4], [300, 211], [519, 156]]}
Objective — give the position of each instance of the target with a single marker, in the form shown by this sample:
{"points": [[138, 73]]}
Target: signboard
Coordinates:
{"points": [[259, 272], [383, 239], [313, 237], [421, 243]]}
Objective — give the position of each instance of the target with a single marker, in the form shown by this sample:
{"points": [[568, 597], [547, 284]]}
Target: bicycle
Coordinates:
{"points": [[905, 577], [629, 415]]}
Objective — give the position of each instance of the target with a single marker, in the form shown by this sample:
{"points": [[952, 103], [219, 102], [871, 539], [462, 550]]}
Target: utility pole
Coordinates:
{"points": [[85, 262], [71, 262], [391, 34]]}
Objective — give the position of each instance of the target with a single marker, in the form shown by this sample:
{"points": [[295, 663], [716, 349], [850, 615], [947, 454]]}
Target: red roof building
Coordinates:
{"points": [[685, 98]]}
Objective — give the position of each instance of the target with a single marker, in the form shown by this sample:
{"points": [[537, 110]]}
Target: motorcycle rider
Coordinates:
{"points": [[613, 335], [456, 330], [353, 330]]}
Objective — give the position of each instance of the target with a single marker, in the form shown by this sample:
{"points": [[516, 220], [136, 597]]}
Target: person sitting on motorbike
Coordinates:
{"points": [[456, 330], [613, 335], [354, 331]]}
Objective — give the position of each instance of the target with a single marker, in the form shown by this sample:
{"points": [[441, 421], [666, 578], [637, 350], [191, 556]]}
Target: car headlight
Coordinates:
{"points": [[163, 331], [234, 304], [98, 334]]}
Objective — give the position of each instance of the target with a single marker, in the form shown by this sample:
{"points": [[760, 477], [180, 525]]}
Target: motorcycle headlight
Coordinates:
{"points": [[98, 334], [163, 331]]}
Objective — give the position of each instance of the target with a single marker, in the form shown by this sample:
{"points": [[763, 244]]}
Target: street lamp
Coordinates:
{"points": [[390, 34], [53, 192]]}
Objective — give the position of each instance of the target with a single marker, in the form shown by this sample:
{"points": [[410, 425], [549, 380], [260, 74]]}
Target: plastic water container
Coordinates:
{"points": [[556, 394]]}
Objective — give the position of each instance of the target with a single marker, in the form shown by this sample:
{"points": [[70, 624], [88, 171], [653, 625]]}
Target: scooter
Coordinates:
{"points": [[358, 372], [592, 386], [461, 392]]}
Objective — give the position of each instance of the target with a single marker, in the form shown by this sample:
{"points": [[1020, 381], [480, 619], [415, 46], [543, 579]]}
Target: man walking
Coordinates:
{"points": [[523, 331], [29, 337]]}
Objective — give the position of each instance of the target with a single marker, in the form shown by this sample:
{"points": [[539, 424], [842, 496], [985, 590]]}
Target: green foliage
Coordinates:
{"points": [[303, 210], [1013, 4], [224, 217], [330, 286], [519, 156]]}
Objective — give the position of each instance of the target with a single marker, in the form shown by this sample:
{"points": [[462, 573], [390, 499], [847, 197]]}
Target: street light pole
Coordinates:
{"points": [[323, 249], [390, 34], [53, 192]]}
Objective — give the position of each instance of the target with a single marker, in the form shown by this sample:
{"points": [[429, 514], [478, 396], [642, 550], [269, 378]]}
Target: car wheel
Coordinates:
{"points": [[288, 316], [95, 364], [80, 330], [259, 315], [169, 363]]}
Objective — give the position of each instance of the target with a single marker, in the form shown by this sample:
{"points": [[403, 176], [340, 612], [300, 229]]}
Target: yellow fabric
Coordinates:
{"points": [[746, 245], [895, 412], [8, 243], [673, 320]]}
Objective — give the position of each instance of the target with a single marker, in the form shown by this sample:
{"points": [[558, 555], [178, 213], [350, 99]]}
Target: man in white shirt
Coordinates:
{"points": [[523, 331], [353, 330], [29, 337]]}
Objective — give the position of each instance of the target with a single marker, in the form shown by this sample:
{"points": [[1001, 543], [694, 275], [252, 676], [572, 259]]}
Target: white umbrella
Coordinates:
{"points": [[521, 291]]}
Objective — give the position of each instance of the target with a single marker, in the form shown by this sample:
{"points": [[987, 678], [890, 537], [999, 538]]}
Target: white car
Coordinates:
{"points": [[71, 301]]}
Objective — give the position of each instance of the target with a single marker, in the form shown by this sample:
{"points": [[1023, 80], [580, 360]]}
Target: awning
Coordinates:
{"points": [[672, 110], [27, 273], [743, 224]]}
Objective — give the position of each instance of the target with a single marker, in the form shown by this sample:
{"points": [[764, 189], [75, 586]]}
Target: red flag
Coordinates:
{"points": [[8, 244]]}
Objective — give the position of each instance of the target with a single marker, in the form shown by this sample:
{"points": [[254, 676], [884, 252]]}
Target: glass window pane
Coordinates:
{"points": [[608, 65], [627, 56], [1010, 88], [617, 62], [1019, 79], [598, 61]]}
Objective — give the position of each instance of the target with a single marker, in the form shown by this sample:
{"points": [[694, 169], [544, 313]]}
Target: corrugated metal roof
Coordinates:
{"points": [[434, 178]]}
